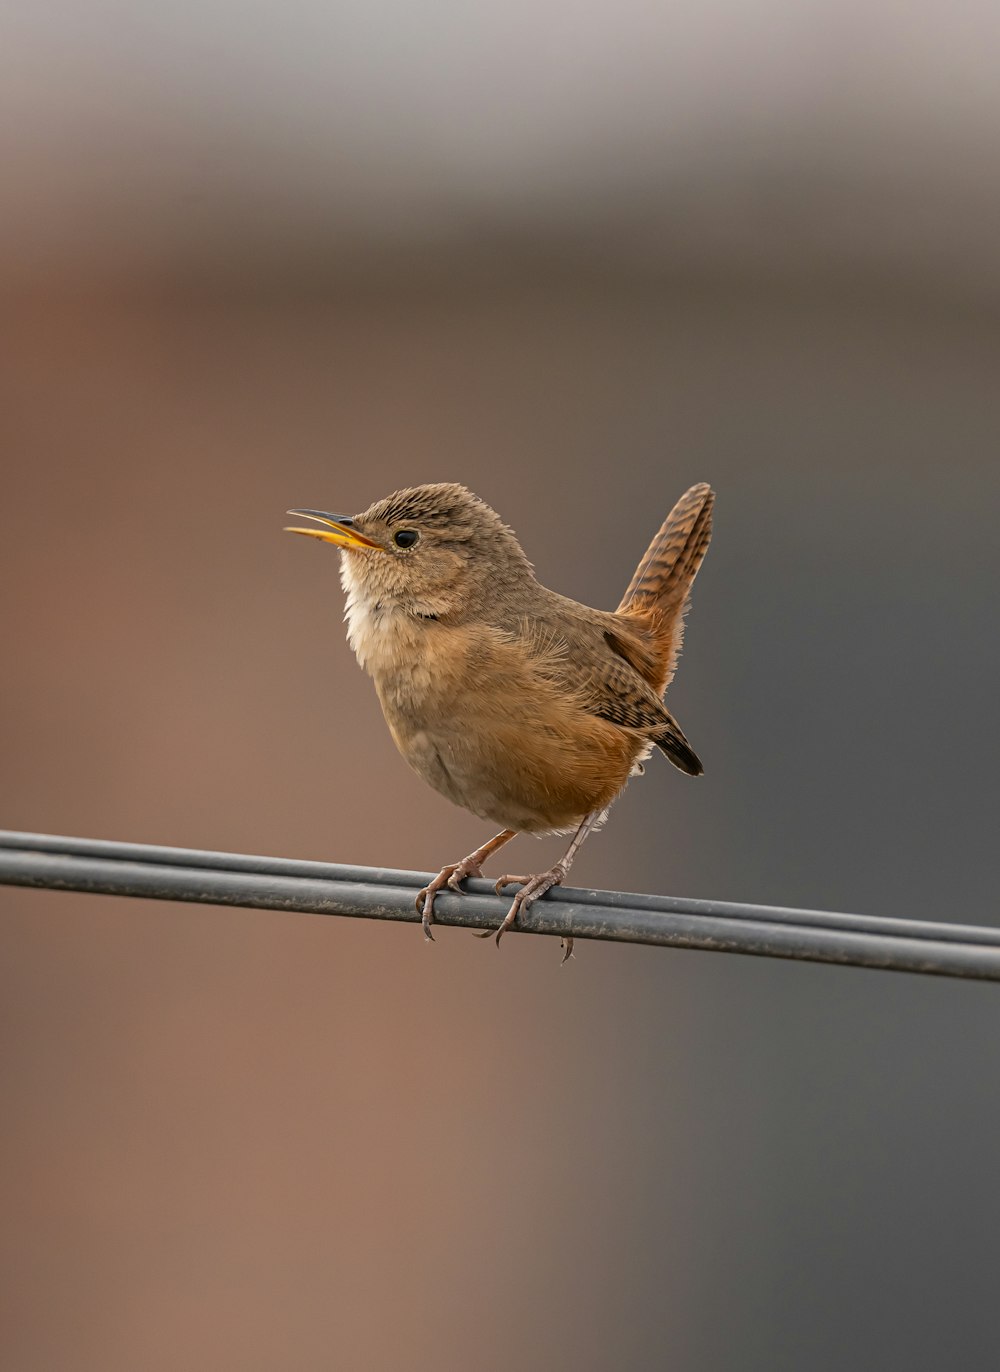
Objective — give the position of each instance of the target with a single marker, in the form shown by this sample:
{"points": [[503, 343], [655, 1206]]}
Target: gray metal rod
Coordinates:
{"points": [[264, 883], [388, 876]]}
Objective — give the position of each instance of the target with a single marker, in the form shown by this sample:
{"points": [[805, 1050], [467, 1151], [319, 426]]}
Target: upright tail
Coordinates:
{"points": [[657, 595]]}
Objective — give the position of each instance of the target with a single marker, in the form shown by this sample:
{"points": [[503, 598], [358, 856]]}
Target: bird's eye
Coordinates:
{"points": [[405, 538]]}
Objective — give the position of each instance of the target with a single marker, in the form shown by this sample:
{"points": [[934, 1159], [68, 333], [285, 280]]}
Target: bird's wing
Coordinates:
{"points": [[599, 675], [591, 661], [583, 655], [617, 693], [637, 650], [594, 666], [611, 688]]}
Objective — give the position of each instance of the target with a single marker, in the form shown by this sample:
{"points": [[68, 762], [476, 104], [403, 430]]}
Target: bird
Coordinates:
{"points": [[526, 708]]}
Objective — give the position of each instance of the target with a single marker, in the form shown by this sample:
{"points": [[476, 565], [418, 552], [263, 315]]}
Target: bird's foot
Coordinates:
{"points": [[452, 876], [532, 887]]}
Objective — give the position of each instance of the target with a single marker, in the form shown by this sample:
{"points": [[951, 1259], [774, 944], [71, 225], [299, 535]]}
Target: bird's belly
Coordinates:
{"points": [[520, 758]]}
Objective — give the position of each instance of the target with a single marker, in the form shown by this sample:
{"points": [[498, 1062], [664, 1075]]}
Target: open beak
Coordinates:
{"points": [[339, 529]]}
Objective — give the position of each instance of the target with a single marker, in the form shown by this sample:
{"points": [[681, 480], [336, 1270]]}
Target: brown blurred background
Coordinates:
{"points": [[304, 255]]}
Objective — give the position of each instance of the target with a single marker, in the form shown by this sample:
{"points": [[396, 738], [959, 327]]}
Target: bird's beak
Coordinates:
{"points": [[339, 529]]}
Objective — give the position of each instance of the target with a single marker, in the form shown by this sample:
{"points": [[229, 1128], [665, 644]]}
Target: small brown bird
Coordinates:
{"points": [[526, 708]]}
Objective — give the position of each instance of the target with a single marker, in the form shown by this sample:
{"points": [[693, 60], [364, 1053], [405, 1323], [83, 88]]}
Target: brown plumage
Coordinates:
{"points": [[519, 704]]}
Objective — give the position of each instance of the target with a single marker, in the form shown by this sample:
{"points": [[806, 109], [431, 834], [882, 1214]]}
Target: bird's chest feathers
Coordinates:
{"points": [[398, 648]]}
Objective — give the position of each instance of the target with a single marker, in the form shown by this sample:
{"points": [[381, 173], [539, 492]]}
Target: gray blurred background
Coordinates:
{"points": [[304, 255]]}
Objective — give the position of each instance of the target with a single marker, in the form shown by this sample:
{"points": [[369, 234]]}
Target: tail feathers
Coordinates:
{"points": [[663, 578], [672, 742]]}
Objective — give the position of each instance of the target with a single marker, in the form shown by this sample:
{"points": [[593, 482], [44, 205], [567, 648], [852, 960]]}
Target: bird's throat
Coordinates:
{"points": [[384, 633]]}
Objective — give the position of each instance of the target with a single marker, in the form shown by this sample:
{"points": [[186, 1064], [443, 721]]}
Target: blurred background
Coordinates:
{"points": [[267, 256]]}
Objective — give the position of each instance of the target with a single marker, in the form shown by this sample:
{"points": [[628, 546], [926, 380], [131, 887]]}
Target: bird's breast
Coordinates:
{"points": [[472, 714], [394, 648]]}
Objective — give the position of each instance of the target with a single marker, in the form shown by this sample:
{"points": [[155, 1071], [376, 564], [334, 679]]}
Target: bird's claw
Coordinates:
{"points": [[452, 876], [511, 914], [509, 917], [501, 882], [425, 909], [532, 888]]}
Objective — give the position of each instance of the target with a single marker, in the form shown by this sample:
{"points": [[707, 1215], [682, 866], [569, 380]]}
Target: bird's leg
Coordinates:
{"points": [[454, 874], [534, 886]]}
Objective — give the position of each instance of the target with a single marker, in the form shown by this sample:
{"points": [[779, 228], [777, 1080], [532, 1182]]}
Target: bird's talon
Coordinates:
{"points": [[509, 881], [459, 875]]}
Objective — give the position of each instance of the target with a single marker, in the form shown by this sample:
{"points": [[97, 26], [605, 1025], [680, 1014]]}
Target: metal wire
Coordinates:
{"points": [[183, 874]]}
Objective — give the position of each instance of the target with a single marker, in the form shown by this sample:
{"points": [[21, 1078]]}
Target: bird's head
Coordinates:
{"points": [[433, 550]]}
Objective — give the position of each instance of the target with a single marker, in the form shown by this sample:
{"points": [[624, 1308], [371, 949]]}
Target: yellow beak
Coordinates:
{"points": [[339, 529]]}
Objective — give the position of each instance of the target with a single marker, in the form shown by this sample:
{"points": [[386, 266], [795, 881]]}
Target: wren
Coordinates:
{"points": [[521, 705]]}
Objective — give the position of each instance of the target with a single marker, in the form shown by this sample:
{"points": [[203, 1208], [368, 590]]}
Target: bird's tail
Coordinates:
{"points": [[664, 576], [658, 593]]}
